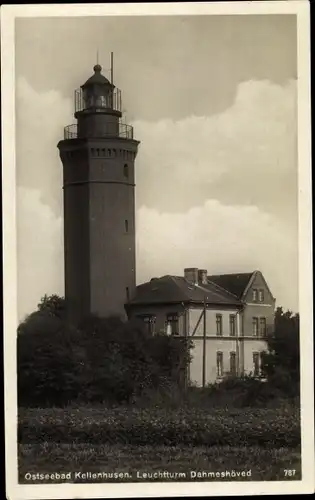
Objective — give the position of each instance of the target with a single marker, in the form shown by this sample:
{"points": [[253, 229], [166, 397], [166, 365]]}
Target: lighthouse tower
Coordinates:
{"points": [[98, 155]]}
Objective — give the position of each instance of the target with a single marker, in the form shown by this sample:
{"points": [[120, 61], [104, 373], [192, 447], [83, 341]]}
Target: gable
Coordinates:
{"points": [[258, 283]]}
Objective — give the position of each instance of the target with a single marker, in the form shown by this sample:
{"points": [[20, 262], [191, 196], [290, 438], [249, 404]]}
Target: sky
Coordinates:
{"points": [[212, 100]]}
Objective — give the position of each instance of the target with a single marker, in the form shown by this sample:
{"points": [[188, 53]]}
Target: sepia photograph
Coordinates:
{"points": [[157, 255]]}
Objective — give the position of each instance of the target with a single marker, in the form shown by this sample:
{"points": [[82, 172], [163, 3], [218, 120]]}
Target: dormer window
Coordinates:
{"points": [[261, 295], [254, 295]]}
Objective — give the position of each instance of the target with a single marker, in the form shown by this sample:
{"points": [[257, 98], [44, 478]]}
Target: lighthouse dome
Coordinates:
{"points": [[97, 78]]}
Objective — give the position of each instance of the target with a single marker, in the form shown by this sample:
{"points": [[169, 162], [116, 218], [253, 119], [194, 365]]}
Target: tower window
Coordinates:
{"points": [[127, 294], [103, 152], [97, 152], [126, 225], [126, 170]]}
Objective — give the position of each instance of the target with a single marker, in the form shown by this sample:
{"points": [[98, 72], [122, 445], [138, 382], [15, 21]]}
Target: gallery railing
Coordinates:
{"points": [[125, 132]]}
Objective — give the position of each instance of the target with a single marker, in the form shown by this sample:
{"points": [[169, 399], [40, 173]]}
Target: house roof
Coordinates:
{"points": [[175, 289], [233, 283]]}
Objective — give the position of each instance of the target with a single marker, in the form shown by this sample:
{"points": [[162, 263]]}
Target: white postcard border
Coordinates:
{"points": [[131, 490]]}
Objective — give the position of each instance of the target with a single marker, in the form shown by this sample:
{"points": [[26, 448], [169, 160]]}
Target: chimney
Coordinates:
{"points": [[191, 275], [203, 276]]}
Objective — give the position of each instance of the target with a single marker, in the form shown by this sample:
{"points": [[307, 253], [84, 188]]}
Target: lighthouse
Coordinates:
{"points": [[98, 156]]}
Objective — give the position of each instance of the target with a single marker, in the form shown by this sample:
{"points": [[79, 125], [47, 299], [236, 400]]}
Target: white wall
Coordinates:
{"points": [[194, 315], [212, 347], [226, 345]]}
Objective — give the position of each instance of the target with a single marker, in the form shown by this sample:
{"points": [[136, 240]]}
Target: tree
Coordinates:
{"points": [[281, 362], [53, 305], [49, 367], [100, 360]]}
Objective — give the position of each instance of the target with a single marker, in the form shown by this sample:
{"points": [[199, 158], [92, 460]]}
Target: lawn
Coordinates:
{"points": [[142, 441]]}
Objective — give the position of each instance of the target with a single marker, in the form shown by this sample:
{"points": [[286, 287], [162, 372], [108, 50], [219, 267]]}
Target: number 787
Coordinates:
{"points": [[289, 472]]}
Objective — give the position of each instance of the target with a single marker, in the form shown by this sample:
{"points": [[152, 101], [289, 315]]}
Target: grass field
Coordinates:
{"points": [[98, 440]]}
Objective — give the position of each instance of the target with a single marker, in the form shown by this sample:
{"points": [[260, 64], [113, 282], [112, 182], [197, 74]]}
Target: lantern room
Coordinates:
{"points": [[98, 94]]}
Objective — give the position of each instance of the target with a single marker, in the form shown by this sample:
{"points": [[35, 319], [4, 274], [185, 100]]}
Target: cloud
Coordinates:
{"points": [[40, 121], [217, 192], [39, 249], [244, 155], [221, 239]]}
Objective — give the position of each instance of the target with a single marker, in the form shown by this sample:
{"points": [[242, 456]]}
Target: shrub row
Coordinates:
{"points": [[157, 427], [101, 360]]}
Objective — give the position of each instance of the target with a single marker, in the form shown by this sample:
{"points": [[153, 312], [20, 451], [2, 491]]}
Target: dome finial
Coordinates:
{"points": [[97, 68]]}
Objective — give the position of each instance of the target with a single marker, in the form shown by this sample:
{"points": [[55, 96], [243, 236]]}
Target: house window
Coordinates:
{"points": [[126, 226], [255, 327], [149, 322], [232, 325], [233, 363], [256, 364], [126, 170], [219, 324], [254, 295], [261, 295], [219, 364], [262, 327], [172, 324]]}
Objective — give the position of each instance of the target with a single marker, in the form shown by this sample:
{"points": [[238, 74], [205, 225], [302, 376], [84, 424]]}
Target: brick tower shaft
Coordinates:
{"points": [[98, 155]]}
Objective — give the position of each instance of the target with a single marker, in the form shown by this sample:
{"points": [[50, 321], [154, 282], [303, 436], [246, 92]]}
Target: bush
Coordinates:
{"points": [[239, 392], [260, 427], [281, 361], [101, 360]]}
